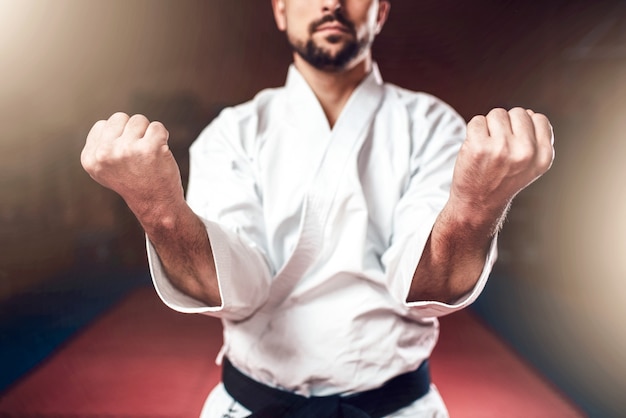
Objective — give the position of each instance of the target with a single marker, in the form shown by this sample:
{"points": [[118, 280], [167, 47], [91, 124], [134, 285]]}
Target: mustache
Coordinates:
{"points": [[336, 16]]}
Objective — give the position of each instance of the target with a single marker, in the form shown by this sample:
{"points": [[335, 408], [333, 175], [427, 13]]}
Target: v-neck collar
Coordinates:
{"points": [[339, 147], [309, 113]]}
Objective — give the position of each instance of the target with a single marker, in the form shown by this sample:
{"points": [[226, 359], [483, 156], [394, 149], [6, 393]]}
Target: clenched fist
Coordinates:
{"points": [[504, 152], [130, 156]]}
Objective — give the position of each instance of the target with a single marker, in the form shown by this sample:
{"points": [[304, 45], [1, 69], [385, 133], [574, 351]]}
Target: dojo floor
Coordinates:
{"points": [[137, 358]]}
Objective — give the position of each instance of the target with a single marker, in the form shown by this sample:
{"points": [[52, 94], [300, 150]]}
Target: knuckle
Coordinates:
{"points": [[136, 126], [546, 164], [100, 157], [99, 124], [477, 119], [91, 165], [545, 138], [118, 155], [96, 130], [96, 171], [497, 112], [138, 119], [158, 131], [131, 153], [85, 160], [547, 158], [486, 150], [522, 158], [158, 127], [541, 119], [476, 124], [497, 116], [502, 154], [118, 115]]}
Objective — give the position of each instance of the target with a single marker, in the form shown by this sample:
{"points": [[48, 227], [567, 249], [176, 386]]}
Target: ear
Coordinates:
{"points": [[279, 14], [383, 12]]}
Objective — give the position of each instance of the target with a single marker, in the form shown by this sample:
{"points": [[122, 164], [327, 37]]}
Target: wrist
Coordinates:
{"points": [[474, 216], [159, 216]]}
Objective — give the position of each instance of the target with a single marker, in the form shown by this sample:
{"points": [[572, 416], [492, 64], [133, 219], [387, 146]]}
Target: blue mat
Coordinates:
{"points": [[34, 324]]}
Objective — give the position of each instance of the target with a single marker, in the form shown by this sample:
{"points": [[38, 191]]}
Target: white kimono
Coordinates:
{"points": [[317, 232]]}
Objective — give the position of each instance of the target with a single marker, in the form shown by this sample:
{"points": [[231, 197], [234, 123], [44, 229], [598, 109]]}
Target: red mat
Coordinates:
{"points": [[144, 360]]}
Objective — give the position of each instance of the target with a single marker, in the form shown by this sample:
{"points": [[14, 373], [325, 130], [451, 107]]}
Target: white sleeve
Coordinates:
{"points": [[223, 192], [438, 135]]}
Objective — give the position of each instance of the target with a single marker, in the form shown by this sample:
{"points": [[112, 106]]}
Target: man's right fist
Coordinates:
{"points": [[130, 156]]}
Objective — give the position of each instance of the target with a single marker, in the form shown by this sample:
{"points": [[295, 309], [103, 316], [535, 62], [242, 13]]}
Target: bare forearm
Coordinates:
{"points": [[183, 246], [454, 255]]}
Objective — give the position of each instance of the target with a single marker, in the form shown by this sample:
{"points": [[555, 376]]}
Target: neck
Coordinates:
{"points": [[333, 89]]}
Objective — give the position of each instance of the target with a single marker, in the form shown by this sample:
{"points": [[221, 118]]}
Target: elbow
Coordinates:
{"points": [[448, 291]]}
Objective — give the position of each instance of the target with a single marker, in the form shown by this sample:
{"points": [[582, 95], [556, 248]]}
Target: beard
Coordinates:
{"points": [[322, 58]]}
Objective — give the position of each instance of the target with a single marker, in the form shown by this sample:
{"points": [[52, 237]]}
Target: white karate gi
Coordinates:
{"points": [[316, 232]]}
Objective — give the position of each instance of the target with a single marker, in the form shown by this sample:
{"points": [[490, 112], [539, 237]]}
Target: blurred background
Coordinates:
{"points": [[557, 294]]}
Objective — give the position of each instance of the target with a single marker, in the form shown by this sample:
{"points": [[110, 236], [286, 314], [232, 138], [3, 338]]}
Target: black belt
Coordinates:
{"points": [[267, 402]]}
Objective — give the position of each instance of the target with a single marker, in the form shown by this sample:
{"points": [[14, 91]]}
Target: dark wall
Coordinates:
{"points": [[68, 63]]}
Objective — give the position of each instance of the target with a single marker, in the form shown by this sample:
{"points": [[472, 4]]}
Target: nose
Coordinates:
{"points": [[330, 6]]}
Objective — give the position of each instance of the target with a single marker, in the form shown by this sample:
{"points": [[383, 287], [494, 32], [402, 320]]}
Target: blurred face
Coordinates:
{"points": [[331, 35]]}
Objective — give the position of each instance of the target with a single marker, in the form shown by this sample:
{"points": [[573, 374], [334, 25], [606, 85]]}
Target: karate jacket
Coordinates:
{"points": [[316, 232]]}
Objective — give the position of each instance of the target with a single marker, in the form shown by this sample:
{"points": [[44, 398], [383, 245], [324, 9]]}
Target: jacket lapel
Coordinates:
{"points": [[342, 145]]}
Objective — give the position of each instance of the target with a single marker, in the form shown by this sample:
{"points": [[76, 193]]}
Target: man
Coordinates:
{"points": [[328, 223]]}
